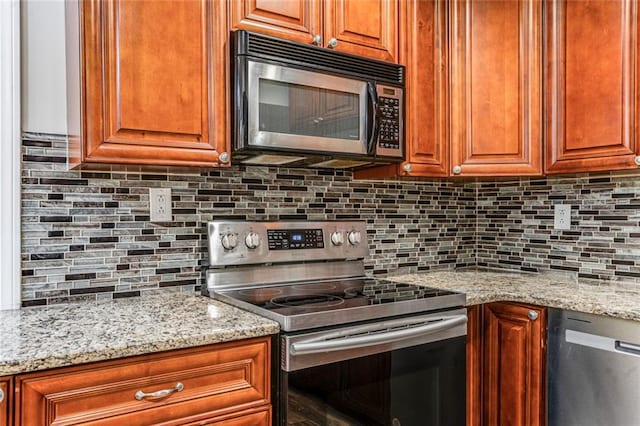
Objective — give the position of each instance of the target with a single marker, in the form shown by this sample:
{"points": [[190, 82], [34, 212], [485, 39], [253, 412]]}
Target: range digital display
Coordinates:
{"points": [[285, 239]]}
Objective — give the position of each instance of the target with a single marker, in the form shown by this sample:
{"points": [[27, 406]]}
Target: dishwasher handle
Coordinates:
{"points": [[359, 340], [627, 347]]}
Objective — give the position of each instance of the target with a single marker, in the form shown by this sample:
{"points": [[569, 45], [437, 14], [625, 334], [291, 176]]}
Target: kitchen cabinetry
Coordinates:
{"points": [[476, 111], [506, 364], [592, 93], [361, 27], [5, 401], [148, 82], [423, 51], [495, 74], [225, 384]]}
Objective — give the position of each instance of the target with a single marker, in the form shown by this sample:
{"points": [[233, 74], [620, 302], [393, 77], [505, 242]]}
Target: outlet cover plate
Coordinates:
{"points": [[160, 204], [562, 217]]}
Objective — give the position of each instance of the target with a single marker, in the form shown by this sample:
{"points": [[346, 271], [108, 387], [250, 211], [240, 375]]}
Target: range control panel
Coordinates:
{"points": [[241, 243], [286, 239]]}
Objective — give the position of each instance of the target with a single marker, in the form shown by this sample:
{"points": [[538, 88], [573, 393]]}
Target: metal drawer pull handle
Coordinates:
{"points": [[1, 395], [159, 394], [533, 315]]}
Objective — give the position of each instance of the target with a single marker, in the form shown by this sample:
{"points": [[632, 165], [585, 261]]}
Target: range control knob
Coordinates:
{"points": [[337, 239], [354, 238], [252, 240], [229, 241]]}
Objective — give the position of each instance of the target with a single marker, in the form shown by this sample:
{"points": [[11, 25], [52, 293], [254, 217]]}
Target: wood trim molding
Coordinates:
{"points": [[10, 154]]}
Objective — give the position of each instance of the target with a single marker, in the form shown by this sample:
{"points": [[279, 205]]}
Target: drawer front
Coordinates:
{"points": [[215, 380], [255, 417]]}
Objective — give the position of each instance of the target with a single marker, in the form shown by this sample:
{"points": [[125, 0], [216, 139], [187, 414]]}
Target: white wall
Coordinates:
{"points": [[9, 154], [43, 67]]}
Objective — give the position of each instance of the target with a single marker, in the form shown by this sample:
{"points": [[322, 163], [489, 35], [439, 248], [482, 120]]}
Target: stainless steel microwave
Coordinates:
{"points": [[300, 105]]}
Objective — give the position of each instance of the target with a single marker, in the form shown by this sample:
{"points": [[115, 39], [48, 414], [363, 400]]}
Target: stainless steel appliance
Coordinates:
{"points": [[296, 104], [593, 370], [353, 349]]}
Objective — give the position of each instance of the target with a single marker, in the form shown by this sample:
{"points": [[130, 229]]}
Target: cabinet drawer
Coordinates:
{"points": [[216, 380], [255, 417]]}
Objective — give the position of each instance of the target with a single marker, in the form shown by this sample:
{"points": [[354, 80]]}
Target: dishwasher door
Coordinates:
{"points": [[593, 370]]}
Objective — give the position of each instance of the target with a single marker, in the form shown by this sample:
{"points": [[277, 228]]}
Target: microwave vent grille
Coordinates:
{"points": [[297, 53]]}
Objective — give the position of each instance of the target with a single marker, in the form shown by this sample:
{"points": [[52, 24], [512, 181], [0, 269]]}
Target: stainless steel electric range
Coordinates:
{"points": [[353, 350]]}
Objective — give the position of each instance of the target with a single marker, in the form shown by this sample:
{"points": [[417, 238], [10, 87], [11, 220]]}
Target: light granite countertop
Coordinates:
{"points": [[610, 298], [45, 337]]}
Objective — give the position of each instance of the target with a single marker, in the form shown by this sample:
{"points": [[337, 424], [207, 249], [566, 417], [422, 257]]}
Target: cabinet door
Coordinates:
{"points": [[363, 27], [423, 52], [153, 82], [295, 20], [592, 77], [514, 364], [495, 87], [6, 400]]}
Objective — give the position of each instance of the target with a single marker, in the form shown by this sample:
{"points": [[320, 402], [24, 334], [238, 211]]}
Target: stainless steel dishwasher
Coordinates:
{"points": [[593, 370]]}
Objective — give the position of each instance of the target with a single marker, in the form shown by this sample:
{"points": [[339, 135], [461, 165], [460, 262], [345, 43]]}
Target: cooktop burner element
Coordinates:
{"points": [[306, 301], [303, 285]]}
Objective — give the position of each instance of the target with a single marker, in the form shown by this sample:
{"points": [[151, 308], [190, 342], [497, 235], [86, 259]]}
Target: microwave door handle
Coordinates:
{"points": [[375, 124]]}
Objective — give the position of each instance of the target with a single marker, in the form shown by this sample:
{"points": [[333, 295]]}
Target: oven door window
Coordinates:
{"points": [[420, 385], [303, 110]]}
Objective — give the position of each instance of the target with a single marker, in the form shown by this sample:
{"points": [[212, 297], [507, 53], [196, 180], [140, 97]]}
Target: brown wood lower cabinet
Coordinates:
{"points": [[506, 352], [223, 384], [5, 401]]}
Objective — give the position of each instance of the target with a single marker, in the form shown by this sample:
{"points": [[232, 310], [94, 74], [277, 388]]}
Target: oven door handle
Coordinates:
{"points": [[377, 336]]}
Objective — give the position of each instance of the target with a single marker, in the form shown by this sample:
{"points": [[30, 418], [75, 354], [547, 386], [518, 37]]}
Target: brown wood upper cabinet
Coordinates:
{"points": [[506, 352], [423, 51], [496, 92], [361, 27], [592, 92], [151, 83]]}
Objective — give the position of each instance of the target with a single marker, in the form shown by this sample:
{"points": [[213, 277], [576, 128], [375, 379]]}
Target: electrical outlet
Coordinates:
{"points": [[160, 204], [562, 217]]}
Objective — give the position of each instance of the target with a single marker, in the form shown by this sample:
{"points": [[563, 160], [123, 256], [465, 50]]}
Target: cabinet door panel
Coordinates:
{"points": [[290, 19], [495, 87], [154, 82], [513, 377], [592, 100], [6, 401], [363, 27], [423, 52]]}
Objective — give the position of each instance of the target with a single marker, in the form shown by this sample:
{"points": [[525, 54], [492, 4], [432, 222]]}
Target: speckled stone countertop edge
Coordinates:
{"points": [[114, 352], [613, 299], [35, 339]]}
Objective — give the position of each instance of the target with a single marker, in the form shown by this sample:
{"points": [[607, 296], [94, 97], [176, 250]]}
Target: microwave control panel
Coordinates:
{"points": [[390, 122]]}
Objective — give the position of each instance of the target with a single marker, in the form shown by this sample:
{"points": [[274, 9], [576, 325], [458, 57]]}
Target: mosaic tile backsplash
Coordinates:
{"points": [[87, 234], [515, 226]]}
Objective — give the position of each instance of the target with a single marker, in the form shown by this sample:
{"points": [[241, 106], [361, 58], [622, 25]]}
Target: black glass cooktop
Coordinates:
{"points": [[352, 298]]}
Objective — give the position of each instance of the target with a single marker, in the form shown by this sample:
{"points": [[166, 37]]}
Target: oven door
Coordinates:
{"points": [[304, 111], [407, 371]]}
